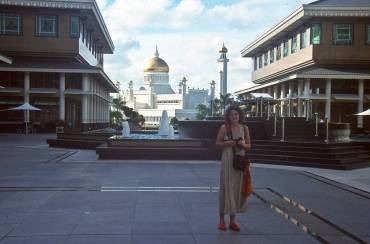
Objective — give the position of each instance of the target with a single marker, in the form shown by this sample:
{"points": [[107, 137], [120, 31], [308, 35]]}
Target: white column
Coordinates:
{"points": [[62, 87], [328, 94], [95, 102], [269, 91], [290, 106], [107, 107], [99, 105], [360, 105], [276, 90], [26, 88], [306, 92], [85, 80], [221, 91], [282, 95], [93, 98], [299, 101], [91, 102]]}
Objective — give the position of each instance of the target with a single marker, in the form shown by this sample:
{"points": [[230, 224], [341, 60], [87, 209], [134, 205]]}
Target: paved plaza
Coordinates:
{"points": [[55, 195]]}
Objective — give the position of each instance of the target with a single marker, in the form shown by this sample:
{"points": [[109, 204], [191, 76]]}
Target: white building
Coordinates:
{"points": [[156, 94]]}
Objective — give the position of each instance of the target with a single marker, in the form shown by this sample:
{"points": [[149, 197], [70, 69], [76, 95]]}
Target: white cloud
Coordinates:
{"points": [[188, 36], [101, 3]]}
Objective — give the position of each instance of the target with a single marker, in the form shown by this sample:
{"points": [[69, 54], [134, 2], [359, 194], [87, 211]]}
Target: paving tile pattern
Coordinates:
{"points": [[80, 199]]}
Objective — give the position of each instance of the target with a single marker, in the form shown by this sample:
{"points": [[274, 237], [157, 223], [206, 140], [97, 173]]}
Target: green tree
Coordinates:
{"points": [[215, 108], [202, 111], [240, 98], [174, 121], [225, 100], [117, 104], [141, 119], [133, 116]]}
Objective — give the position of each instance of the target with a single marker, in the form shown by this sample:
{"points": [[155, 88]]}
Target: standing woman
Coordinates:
{"points": [[232, 200]]}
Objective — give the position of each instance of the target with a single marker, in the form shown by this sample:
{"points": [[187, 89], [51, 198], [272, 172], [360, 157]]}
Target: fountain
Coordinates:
{"points": [[171, 133], [126, 130], [164, 126]]}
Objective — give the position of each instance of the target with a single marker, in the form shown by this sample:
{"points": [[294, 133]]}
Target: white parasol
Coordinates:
{"points": [[25, 107], [367, 112]]}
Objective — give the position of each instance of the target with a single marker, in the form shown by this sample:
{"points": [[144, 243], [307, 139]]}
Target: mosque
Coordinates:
{"points": [[156, 94]]}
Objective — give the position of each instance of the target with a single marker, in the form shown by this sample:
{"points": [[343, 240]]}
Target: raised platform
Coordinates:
{"points": [[340, 155], [317, 154]]}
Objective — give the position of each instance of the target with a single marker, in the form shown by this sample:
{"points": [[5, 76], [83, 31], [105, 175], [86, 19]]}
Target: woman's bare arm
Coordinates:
{"points": [[220, 143]]}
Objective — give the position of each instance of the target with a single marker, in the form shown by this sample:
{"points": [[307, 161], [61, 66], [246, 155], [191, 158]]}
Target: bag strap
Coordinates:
{"points": [[229, 133]]}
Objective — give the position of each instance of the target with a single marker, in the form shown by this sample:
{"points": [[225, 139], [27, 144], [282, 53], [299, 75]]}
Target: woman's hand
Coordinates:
{"points": [[241, 144], [231, 143]]}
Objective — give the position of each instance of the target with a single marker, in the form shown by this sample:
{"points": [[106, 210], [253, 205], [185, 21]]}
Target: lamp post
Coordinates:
{"points": [[316, 124]]}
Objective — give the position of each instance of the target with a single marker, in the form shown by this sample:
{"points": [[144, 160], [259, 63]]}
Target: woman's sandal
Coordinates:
{"points": [[222, 226], [234, 226]]}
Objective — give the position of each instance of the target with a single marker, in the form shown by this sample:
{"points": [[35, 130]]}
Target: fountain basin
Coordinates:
{"points": [[338, 132], [178, 149]]}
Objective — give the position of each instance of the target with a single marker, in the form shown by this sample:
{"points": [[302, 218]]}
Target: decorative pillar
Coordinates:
{"points": [[290, 107], [276, 90], [299, 101], [306, 92], [26, 88], [84, 107], [269, 91], [360, 106], [95, 115], [328, 95], [91, 99], [62, 87], [282, 96], [97, 105]]}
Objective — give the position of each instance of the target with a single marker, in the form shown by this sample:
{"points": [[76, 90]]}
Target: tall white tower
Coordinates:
{"points": [[223, 70], [212, 95]]}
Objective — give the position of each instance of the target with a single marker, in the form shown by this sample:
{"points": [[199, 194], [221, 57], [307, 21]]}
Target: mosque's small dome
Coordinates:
{"points": [[223, 49]]}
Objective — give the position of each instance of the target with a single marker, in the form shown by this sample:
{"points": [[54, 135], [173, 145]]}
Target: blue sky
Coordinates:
{"points": [[188, 34]]}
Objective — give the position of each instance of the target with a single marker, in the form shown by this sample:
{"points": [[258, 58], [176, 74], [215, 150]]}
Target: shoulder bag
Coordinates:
{"points": [[239, 161]]}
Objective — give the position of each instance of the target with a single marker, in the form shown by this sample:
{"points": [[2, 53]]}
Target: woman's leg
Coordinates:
{"points": [[222, 225], [232, 218], [232, 224], [222, 217]]}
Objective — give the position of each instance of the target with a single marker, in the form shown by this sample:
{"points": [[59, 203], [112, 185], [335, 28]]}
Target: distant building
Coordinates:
{"points": [[317, 56], [156, 94], [51, 56]]}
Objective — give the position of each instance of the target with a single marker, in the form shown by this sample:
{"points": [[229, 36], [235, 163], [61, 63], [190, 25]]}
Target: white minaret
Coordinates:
{"points": [[223, 70], [184, 101], [131, 91], [212, 94]]}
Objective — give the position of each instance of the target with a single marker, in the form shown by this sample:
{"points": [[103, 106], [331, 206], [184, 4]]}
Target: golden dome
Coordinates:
{"points": [[156, 64], [223, 49]]}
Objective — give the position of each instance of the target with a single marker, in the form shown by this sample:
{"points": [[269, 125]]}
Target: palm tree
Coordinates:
{"points": [[118, 104], [216, 107], [226, 100], [202, 111]]}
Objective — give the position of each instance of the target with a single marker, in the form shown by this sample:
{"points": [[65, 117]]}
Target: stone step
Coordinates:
{"points": [[311, 154], [297, 148]]}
